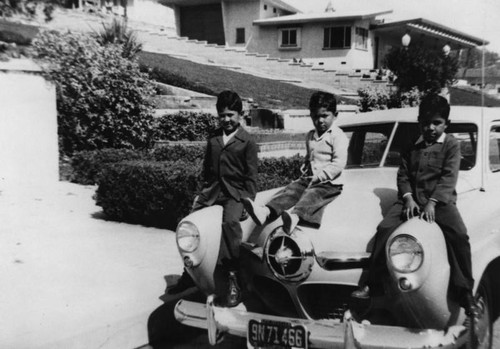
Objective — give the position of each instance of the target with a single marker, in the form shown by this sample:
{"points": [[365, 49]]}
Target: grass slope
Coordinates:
{"points": [[266, 93], [203, 78], [460, 96]]}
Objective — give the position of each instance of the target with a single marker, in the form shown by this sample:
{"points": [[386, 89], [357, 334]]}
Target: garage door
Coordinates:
{"points": [[203, 22]]}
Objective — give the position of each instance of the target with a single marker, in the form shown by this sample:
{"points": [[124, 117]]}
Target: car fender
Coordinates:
{"points": [[425, 303], [208, 221]]}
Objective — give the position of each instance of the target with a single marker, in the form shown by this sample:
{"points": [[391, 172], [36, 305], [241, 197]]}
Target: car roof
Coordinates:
{"points": [[457, 114]]}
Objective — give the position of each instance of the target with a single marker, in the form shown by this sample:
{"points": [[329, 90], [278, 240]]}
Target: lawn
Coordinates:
{"points": [[267, 93], [460, 96]]}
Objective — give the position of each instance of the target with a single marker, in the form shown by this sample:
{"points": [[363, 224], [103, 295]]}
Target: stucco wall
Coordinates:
{"points": [[28, 126], [266, 40], [239, 15]]}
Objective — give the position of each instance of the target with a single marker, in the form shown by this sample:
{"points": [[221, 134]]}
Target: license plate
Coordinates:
{"points": [[276, 333]]}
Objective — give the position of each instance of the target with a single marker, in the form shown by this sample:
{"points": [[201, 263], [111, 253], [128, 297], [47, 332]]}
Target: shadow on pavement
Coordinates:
{"points": [[165, 332]]}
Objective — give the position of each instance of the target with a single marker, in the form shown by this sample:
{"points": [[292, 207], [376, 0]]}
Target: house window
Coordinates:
{"points": [[361, 38], [265, 7], [289, 37], [337, 37], [274, 9], [240, 35]]}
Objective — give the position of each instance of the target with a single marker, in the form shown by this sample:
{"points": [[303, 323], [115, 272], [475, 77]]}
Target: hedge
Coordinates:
{"points": [[148, 192], [160, 193], [86, 166], [186, 126]]}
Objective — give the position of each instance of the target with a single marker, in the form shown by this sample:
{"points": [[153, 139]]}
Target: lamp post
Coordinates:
{"points": [[405, 40], [446, 50]]}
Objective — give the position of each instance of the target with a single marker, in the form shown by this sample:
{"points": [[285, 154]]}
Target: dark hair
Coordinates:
{"points": [[230, 100], [323, 100], [432, 104]]}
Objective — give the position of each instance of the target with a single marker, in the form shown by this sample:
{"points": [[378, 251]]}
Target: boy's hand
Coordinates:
{"points": [[429, 212], [410, 207]]}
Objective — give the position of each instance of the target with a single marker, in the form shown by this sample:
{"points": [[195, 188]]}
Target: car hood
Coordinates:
{"points": [[350, 221]]}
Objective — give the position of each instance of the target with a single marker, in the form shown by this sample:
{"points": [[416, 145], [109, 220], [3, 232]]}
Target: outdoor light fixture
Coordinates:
{"points": [[446, 49], [405, 40]]}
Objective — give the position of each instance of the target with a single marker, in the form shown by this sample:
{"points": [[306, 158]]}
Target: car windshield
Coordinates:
{"points": [[377, 145]]}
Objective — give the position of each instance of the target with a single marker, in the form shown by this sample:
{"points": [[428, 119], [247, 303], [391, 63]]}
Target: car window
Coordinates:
{"points": [[368, 143], [466, 134], [494, 149]]}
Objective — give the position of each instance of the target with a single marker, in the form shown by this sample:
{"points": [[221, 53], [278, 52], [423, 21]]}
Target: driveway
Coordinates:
{"points": [[71, 279]]}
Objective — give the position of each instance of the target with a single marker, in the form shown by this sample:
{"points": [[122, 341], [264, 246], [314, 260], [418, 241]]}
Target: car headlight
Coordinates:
{"points": [[405, 254], [188, 237]]}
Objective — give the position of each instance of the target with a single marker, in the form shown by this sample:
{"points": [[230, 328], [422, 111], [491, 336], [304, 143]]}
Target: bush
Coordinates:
{"points": [[187, 152], [377, 99], [102, 98], [149, 193], [117, 32], [160, 193], [426, 69], [278, 172], [186, 126], [88, 165]]}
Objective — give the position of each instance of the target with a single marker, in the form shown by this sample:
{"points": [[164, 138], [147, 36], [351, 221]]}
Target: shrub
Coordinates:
{"points": [[187, 152], [149, 193], [378, 99], [186, 126], [278, 172], [102, 98], [420, 67], [117, 32], [88, 165]]}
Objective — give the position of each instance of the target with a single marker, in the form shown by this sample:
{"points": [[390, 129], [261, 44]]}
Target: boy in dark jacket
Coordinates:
{"points": [[426, 181], [229, 174]]}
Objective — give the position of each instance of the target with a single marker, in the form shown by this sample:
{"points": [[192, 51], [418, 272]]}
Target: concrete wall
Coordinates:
{"points": [[299, 120], [239, 15], [28, 126], [266, 40]]}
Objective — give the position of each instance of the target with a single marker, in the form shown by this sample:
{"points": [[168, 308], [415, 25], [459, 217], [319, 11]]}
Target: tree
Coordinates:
{"points": [[426, 69], [102, 97]]}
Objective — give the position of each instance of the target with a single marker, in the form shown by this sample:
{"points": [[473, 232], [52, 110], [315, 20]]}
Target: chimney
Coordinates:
{"points": [[329, 7]]}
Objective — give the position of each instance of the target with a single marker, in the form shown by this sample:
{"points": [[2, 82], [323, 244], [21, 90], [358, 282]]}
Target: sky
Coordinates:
{"points": [[480, 18]]}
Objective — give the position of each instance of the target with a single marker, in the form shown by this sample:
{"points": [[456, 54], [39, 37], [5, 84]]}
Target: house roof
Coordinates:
{"points": [[429, 28], [320, 17], [284, 6], [276, 3]]}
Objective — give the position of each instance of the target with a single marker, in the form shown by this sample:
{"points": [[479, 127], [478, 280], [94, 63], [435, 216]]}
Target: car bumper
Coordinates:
{"points": [[322, 333]]}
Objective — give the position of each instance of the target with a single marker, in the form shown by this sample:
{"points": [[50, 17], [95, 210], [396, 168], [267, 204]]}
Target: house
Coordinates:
{"points": [[334, 39], [224, 22], [488, 81]]}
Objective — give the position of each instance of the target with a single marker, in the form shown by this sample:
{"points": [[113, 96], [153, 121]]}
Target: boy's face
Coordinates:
{"points": [[322, 119], [432, 127], [229, 120]]}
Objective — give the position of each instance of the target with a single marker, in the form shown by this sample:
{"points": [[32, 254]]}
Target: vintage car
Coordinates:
{"points": [[298, 286]]}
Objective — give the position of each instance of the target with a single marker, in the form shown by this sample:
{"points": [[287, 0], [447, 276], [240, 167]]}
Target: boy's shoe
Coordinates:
{"points": [[471, 307], [184, 282], [234, 291], [290, 221], [258, 213], [361, 293]]}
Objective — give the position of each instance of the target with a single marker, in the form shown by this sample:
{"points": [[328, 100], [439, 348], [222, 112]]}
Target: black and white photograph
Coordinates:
{"points": [[280, 174]]}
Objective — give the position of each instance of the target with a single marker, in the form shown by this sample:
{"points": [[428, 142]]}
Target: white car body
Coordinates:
{"points": [[331, 260]]}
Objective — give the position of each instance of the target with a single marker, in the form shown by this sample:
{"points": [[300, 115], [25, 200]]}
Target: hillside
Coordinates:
{"points": [[267, 93]]}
